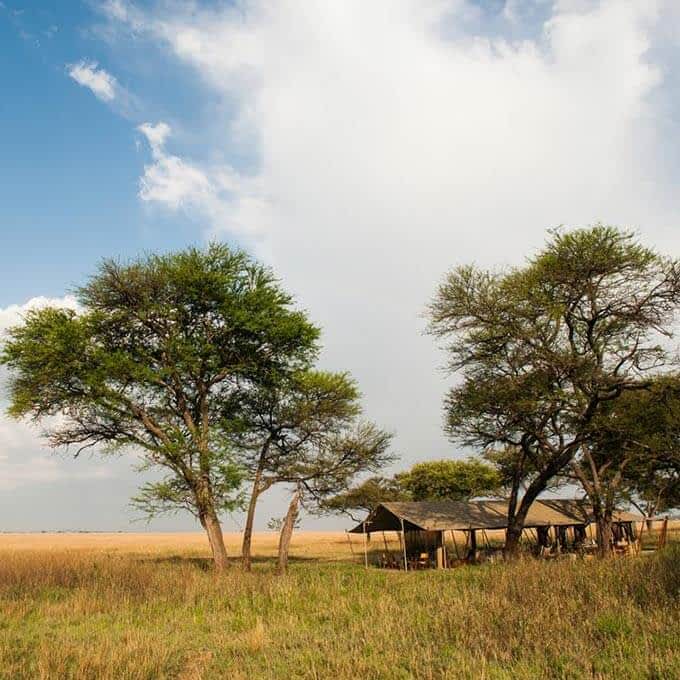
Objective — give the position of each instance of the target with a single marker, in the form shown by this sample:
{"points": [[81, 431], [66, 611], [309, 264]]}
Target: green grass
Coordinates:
{"points": [[80, 615]]}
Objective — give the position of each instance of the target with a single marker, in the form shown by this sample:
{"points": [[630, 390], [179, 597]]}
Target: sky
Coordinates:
{"points": [[359, 148]]}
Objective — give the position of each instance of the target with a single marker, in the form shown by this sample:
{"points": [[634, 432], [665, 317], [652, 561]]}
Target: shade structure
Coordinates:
{"points": [[447, 515]]}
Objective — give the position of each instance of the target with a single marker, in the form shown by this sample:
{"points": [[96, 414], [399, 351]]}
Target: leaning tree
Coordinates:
{"points": [[157, 348], [323, 468], [300, 430], [542, 348]]}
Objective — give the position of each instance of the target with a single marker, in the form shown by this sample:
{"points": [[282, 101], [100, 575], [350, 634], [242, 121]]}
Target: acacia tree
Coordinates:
{"points": [[450, 480], [541, 348], [157, 349], [282, 417], [301, 430], [364, 497], [633, 454], [430, 480]]}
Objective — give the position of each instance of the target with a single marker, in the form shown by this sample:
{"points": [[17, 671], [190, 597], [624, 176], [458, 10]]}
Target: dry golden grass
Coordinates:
{"points": [[148, 606], [316, 544]]}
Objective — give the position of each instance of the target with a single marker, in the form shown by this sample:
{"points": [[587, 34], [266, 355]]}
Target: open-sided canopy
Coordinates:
{"points": [[466, 515]]}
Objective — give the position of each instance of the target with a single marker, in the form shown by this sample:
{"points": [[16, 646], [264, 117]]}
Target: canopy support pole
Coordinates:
{"points": [[365, 548], [404, 544]]}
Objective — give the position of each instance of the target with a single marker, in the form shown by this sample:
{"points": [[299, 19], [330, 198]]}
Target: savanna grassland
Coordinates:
{"points": [[148, 606]]}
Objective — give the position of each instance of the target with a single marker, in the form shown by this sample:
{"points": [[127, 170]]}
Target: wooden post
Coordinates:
{"points": [[440, 551], [403, 533], [663, 534], [473, 545], [365, 548]]}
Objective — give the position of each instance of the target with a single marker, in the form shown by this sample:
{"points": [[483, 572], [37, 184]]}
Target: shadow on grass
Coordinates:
{"points": [[206, 563]]}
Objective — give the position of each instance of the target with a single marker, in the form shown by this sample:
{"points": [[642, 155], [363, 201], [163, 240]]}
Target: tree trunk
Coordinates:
{"points": [[516, 521], [605, 535], [287, 532], [250, 519], [214, 531], [210, 522], [246, 556], [512, 535], [514, 531]]}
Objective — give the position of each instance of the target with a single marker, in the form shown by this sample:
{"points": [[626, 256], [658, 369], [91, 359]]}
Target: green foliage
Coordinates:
{"points": [[276, 523], [431, 480], [449, 480], [157, 351], [636, 443], [305, 429], [366, 496], [173, 494]]}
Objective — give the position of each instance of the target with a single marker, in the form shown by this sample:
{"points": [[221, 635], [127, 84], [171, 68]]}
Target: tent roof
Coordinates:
{"points": [[464, 515]]}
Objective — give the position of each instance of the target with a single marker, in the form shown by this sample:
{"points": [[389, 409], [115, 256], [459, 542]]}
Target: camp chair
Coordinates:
{"points": [[423, 561]]}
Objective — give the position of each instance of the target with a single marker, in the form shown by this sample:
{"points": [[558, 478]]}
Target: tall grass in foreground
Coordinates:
{"points": [[97, 616]]}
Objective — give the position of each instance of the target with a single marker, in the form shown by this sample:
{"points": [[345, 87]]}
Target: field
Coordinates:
{"points": [[148, 606]]}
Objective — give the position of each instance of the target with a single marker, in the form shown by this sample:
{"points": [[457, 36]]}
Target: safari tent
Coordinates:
{"points": [[422, 527]]}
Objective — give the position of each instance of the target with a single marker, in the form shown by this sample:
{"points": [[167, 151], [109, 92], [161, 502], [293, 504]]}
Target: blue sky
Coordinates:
{"points": [[361, 149], [70, 165]]}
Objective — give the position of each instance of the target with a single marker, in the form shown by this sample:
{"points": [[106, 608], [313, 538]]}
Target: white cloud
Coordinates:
{"points": [[88, 74], [217, 194], [23, 463], [13, 314], [394, 143], [24, 457]]}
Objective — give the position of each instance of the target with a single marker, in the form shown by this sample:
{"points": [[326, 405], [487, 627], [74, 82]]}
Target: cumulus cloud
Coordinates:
{"points": [[24, 458], [219, 194], [88, 74], [397, 138], [13, 314]]}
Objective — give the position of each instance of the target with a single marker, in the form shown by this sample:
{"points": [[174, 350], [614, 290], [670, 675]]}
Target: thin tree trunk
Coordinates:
{"points": [[246, 556], [287, 532]]}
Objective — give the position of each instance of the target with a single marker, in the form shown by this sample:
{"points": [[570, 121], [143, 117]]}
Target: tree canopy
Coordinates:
{"points": [[449, 479]]}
